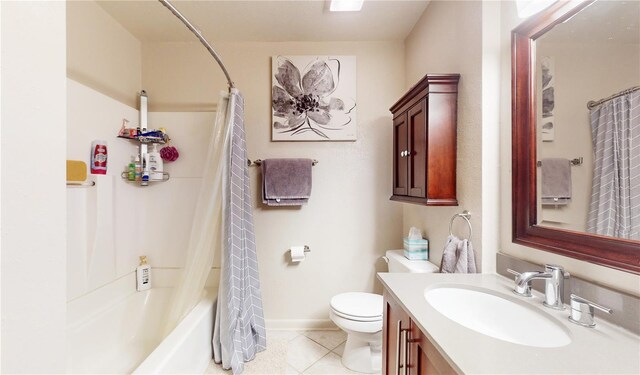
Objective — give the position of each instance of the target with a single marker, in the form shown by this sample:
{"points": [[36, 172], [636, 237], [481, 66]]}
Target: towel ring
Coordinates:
{"points": [[465, 215]]}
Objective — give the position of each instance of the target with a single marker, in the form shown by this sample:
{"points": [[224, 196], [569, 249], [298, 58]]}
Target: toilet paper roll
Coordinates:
{"points": [[297, 254]]}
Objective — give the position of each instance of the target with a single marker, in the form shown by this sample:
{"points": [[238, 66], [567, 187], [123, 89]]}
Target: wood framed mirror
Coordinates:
{"points": [[529, 228]]}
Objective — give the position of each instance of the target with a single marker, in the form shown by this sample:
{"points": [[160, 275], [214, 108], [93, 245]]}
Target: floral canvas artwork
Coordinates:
{"points": [[313, 98], [547, 68]]}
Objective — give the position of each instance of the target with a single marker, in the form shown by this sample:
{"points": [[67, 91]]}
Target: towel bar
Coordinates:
{"points": [[81, 183], [465, 215], [259, 162], [576, 161]]}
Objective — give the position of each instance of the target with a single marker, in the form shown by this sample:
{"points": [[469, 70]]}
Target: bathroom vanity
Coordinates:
{"points": [[406, 349], [457, 323]]}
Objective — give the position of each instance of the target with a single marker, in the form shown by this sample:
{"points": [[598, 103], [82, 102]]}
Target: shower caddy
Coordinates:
{"points": [[144, 142]]}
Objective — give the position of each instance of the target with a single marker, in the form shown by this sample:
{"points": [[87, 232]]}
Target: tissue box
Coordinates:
{"points": [[416, 249]]}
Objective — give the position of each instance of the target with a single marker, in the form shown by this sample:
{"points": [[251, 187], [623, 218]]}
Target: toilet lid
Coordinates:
{"points": [[358, 305]]}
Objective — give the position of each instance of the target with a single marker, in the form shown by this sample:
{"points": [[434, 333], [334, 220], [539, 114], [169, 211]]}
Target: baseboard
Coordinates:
{"points": [[300, 324]]}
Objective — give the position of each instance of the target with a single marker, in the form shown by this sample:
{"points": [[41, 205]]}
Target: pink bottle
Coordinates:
{"points": [[99, 157]]}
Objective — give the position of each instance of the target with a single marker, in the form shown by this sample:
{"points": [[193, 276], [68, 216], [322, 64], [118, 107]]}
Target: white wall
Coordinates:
{"points": [[33, 192], [448, 38], [101, 54], [349, 221], [616, 279], [115, 222]]}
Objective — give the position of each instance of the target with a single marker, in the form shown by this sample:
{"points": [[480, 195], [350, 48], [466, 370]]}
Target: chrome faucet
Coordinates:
{"points": [[554, 284]]}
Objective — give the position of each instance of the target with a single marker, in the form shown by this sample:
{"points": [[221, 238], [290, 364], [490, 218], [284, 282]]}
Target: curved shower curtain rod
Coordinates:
{"points": [[199, 35]]}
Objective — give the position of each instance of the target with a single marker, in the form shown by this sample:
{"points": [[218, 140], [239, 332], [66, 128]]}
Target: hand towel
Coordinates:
{"points": [[286, 182], [556, 182], [448, 262], [466, 258], [458, 256]]}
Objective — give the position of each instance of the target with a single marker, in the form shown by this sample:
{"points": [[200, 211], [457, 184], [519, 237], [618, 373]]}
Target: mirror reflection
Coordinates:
{"points": [[588, 121]]}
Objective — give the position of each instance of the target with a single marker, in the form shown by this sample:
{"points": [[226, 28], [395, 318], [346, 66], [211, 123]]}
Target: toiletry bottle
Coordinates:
{"points": [[155, 163], [99, 157], [131, 170], [143, 275], [138, 169], [145, 169]]}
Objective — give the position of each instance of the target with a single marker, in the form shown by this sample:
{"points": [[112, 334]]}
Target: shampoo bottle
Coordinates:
{"points": [[145, 169], [143, 275], [99, 157], [155, 163], [131, 170], [137, 169]]}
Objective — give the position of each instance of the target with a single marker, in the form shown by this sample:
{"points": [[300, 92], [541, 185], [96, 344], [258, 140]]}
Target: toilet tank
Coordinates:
{"points": [[398, 263]]}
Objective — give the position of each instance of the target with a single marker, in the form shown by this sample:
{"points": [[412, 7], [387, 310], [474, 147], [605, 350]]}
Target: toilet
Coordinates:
{"points": [[360, 316]]}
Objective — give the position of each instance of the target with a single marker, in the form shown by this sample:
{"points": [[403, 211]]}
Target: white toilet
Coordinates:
{"points": [[360, 316]]}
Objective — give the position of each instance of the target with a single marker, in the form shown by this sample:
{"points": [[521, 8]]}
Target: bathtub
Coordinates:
{"points": [[121, 333]]}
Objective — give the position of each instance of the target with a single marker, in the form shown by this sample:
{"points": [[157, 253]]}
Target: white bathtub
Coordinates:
{"points": [[120, 334]]}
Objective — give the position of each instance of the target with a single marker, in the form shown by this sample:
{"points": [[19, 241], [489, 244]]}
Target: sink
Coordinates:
{"points": [[491, 314]]}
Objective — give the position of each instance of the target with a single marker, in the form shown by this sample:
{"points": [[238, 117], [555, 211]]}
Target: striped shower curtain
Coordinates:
{"points": [[239, 330], [615, 194]]}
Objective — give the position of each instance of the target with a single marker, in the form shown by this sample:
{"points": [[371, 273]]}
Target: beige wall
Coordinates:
{"points": [[603, 275], [101, 54], [33, 192], [349, 221], [448, 39]]}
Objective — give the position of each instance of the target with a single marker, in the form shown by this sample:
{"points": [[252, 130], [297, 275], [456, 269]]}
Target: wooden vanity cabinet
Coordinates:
{"points": [[406, 350], [396, 325], [424, 142]]}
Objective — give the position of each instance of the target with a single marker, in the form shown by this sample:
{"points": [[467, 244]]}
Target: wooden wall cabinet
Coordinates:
{"points": [[424, 142], [406, 350]]}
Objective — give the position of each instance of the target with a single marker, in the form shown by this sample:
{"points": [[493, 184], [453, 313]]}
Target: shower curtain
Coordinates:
{"points": [[205, 237], [223, 225], [239, 331], [615, 195]]}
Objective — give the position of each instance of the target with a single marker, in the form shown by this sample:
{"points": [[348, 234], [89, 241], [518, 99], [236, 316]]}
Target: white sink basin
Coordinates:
{"points": [[487, 312]]}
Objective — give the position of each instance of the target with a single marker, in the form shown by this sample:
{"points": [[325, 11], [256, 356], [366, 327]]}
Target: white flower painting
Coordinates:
{"points": [[313, 98], [547, 68]]}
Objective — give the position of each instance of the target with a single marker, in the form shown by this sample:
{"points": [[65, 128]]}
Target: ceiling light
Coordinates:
{"points": [[527, 8], [345, 5]]}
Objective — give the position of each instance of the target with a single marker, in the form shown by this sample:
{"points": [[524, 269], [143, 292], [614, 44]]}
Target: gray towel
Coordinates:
{"points": [[556, 182], [448, 262], [458, 256], [286, 182]]}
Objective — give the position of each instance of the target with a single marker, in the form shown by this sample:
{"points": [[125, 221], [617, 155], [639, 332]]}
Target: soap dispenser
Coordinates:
{"points": [[143, 275]]}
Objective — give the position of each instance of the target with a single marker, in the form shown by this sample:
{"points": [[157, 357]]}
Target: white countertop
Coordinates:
{"points": [[605, 349]]}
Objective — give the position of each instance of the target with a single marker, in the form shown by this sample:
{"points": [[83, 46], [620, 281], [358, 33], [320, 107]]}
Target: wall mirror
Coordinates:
{"points": [[576, 131]]}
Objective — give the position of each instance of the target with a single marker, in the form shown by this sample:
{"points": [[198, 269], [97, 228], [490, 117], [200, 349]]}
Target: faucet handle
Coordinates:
{"points": [[515, 273], [582, 311], [555, 267]]}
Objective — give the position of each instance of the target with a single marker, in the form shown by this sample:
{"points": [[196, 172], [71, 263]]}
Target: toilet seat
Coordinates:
{"points": [[358, 306]]}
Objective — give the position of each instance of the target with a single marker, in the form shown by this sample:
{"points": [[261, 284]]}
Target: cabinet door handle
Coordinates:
{"points": [[405, 351], [399, 362]]}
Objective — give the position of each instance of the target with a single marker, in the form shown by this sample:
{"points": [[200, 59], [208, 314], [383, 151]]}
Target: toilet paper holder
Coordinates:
{"points": [[306, 249], [299, 253]]}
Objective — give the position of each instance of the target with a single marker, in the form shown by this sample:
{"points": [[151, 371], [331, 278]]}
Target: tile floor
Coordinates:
{"points": [[314, 352], [308, 352]]}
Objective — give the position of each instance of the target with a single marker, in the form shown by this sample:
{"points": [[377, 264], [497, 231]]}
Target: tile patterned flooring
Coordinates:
{"points": [[315, 352]]}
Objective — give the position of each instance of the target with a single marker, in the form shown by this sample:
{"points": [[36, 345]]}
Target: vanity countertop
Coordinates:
{"points": [[605, 349]]}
